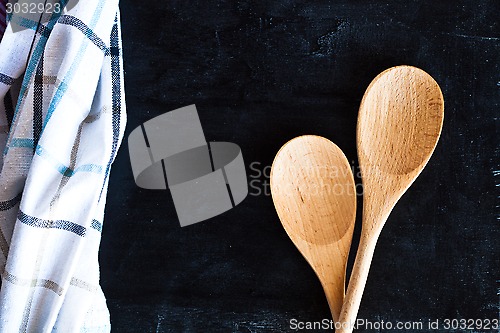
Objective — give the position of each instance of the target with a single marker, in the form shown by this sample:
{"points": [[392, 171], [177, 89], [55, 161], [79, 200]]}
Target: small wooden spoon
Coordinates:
{"points": [[399, 124], [314, 194]]}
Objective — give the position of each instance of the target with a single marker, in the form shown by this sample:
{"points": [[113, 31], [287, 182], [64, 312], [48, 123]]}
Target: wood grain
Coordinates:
{"points": [[313, 191], [399, 124]]}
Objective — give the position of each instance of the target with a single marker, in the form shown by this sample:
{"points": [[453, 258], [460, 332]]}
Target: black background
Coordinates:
{"points": [[260, 74]]}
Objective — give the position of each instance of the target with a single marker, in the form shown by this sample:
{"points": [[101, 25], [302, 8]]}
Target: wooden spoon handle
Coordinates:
{"points": [[357, 283], [334, 295]]}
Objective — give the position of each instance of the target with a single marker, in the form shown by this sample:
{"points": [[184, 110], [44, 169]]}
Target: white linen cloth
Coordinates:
{"points": [[62, 118]]}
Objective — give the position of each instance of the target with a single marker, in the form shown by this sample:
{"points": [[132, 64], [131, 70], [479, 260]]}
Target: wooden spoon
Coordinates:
{"points": [[314, 194], [399, 125]]}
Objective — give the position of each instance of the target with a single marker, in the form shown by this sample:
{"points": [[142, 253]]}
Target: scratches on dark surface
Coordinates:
{"points": [[262, 73], [185, 319], [327, 43], [475, 38]]}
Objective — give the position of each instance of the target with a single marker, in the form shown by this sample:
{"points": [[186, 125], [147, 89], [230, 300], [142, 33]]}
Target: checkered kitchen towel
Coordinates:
{"points": [[62, 117]]}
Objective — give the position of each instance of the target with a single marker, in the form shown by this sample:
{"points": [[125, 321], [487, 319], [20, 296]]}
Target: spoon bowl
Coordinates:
{"points": [[313, 190], [399, 124]]}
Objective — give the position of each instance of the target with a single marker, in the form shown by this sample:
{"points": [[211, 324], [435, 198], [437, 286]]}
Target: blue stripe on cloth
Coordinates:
{"points": [[5, 79], [61, 168], [6, 205], [71, 71], [64, 170], [40, 28], [91, 35], [52, 224], [44, 31], [22, 143], [115, 97], [24, 22], [93, 168], [32, 63], [96, 225]]}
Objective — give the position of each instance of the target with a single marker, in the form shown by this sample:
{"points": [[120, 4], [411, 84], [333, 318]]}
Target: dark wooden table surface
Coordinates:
{"points": [[260, 74]]}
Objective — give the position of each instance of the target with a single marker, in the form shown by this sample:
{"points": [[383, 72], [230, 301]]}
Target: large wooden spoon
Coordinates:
{"points": [[399, 124], [314, 194]]}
